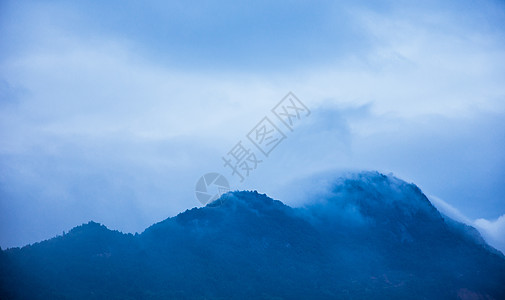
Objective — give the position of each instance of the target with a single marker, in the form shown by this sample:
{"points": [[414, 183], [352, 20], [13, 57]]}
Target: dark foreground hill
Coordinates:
{"points": [[370, 237]]}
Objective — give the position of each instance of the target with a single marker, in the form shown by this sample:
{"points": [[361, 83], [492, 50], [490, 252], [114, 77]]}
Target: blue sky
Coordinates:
{"points": [[112, 111]]}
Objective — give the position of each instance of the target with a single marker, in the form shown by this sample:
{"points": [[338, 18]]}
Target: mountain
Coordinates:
{"points": [[369, 236]]}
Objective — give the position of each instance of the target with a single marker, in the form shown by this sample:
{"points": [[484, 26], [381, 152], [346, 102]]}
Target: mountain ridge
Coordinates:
{"points": [[370, 235]]}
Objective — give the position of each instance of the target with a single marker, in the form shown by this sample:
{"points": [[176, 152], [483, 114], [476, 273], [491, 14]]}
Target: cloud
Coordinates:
{"points": [[449, 210], [138, 110], [493, 231]]}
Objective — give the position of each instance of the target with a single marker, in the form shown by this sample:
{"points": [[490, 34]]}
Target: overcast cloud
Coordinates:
{"points": [[111, 112]]}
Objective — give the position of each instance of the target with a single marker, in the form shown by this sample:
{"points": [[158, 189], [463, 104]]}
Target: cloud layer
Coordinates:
{"points": [[493, 231], [114, 117]]}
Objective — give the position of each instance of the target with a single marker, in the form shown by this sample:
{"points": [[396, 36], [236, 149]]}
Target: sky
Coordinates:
{"points": [[112, 111]]}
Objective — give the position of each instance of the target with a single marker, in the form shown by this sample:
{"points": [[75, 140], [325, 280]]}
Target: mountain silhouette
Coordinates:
{"points": [[370, 236]]}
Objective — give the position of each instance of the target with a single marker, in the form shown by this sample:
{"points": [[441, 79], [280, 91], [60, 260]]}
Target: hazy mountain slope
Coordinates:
{"points": [[372, 236]]}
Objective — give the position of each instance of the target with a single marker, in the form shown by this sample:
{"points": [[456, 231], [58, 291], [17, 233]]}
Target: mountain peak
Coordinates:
{"points": [[251, 199], [380, 196], [91, 226]]}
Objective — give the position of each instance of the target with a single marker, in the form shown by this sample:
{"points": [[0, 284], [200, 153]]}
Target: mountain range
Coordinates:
{"points": [[370, 236]]}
